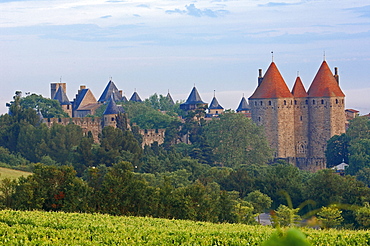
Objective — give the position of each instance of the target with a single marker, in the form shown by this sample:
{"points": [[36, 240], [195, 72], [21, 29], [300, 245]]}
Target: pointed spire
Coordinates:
{"points": [[272, 85], [112, 108], [194, 97], [214, 104], [243, 105], [110, 89], [324, 84], [135, 97], [298, 88], [61, 96], [169, 98]]}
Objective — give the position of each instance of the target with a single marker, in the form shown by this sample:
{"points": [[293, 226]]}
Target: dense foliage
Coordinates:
{"points": [[49, 228], [217, 171]]}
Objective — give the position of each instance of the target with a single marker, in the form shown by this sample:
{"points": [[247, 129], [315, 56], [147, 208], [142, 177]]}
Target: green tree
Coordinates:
{"points": [[337, 150], [285, 216], [363, 215], [260, 202], [330, 217], [236, 140], [48, 107]]}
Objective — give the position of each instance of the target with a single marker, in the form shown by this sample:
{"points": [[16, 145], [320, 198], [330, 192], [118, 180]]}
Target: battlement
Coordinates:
{"points": [[152, 135]]}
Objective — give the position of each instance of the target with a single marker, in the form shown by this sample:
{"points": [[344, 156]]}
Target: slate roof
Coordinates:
{"points": [[194, 97], [324, 84], [110, 89], [298, 89], [112, 108], [272, 85], [61, 96], [243, 105], [124, 99], [80, 96], [170, 98], [214, 104], [135, 97]]}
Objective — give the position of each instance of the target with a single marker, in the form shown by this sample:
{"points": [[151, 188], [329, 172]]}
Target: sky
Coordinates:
{"points": [[167, 45]]}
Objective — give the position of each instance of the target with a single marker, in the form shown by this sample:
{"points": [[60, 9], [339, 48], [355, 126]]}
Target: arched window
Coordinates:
{"points": [[313, 102], [284, 102], [306, 101], [269, 103], [261, 103], [322, 101], [336, 101]]}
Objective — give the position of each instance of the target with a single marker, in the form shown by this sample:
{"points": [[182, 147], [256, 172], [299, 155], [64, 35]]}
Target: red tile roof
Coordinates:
{"points": [[298, 89], [272, 85], [324, 84]]}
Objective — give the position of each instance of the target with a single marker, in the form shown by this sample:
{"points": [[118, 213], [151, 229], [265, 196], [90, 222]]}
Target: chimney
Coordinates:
{"points": [[120, 92], [336, 76], [260, 78]]}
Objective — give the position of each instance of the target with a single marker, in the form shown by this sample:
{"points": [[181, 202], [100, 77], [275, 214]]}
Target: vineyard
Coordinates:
{"points": [[50, 228]]}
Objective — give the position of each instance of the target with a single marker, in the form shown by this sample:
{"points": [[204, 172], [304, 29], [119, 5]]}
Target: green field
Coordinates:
{"points": [[11, 173], [51, 228]]}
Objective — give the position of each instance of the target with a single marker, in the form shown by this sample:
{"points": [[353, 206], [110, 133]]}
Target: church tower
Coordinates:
{"points": [[272, 106]]}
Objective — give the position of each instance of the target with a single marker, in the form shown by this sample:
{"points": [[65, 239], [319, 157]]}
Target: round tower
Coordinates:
{"points": [[272, 107], [326, 113]]}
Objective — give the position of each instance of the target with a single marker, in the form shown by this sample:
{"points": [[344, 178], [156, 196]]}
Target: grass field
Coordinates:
{"points": [[51, 228], [11, 173]]}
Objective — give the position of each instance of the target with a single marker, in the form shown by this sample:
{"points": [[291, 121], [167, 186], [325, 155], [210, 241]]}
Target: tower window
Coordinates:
{"points": [[255, 103], [295, 102], [261, 103], [313, 102], [112, 119], [322, 101], [306, 101], [259, 118], [336, 101], [284, 102], [270, 103], [301, 118]]}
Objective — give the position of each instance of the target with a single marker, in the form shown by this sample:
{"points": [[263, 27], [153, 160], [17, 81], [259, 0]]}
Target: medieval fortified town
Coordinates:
{"points": [[297, 122]]}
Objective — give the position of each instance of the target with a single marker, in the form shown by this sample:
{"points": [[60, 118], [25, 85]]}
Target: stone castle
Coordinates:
{"points": [[298, 123], [85, 104]]}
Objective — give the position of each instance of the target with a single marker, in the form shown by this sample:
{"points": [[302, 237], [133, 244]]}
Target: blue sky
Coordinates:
{"points": [[156, 46]]}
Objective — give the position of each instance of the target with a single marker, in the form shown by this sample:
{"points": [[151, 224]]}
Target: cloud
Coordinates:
{"points": [[105, 16], [196, 12], [279, 4], [364, 11], [143, 6]]}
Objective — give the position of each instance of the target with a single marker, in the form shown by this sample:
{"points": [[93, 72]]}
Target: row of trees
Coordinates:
{"points": [[220, 177]]}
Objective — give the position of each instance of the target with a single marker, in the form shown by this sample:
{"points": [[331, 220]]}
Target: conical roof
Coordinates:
{"points": [[324, 84], [110, 89], [112, 108], [298, 89], [194, 97], [243, 105], [135, 97], [170, 98], [214, 104], [61, 96], [124, 99], [272, 85]]}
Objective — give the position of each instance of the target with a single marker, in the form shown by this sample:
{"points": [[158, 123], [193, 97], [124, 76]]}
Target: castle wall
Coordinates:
{"points": [[87, 124], [152, 135]]}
